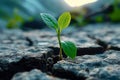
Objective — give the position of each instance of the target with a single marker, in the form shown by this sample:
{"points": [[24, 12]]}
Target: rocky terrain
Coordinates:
{"points": [[33, 55]]}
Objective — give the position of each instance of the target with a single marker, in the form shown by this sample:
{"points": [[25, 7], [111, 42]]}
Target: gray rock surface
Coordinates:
{"points": [[111, 72], [104, 66], [15, 60], [48, 38], [17, 55], [97, 58], [34, 75], [109, 35]]}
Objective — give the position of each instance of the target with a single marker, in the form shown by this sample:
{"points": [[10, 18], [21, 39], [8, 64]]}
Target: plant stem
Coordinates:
{"points": [[59, 40]]}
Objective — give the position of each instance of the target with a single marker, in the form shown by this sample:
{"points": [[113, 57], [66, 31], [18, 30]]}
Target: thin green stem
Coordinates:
{"points": [[59, 40]]}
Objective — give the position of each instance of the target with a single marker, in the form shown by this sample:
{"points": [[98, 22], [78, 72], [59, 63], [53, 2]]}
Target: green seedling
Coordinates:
{"points": [[68, 47]]}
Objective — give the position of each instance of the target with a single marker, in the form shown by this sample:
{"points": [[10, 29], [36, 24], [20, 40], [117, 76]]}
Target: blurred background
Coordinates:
{"points": [[25, 14]]}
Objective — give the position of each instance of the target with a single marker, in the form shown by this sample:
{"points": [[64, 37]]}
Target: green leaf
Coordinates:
{"points": [[49, 20], [69, 49], [64, 20]]}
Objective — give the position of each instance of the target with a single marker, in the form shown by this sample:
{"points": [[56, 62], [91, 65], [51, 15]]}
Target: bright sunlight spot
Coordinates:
{"points": [[77, 3]]}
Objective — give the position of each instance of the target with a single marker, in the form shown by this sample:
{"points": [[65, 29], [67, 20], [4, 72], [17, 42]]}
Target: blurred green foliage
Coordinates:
{"points": [[114, 16], [15, 21], [28, 11], [110, 14], [14, 12], [99, 19]]}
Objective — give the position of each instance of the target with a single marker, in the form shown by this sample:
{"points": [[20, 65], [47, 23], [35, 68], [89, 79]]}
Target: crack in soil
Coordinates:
{"points": [[104, 44]]}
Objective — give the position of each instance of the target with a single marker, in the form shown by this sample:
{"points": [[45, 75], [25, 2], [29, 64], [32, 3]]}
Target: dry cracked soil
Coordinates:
{"points": [[33, 55]]}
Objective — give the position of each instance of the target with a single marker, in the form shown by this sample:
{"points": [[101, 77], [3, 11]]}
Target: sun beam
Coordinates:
{"points": [[77, 3]]}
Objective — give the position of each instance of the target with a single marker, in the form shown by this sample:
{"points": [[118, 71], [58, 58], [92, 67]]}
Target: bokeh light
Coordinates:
{"points": [[77, 3]]}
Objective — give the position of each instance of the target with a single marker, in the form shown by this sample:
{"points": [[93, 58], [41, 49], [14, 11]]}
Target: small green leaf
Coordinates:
{"points": [[49, 20], [69, 49], [64, 20]]}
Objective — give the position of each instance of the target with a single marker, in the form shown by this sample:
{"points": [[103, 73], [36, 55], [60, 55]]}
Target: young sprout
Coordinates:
{"points": [[68, 47]]}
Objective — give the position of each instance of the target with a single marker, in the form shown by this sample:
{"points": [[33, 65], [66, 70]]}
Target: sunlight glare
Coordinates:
{"points": [[77, 3]]}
